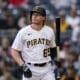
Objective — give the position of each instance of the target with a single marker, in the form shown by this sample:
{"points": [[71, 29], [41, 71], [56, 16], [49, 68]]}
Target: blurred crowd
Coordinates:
{"points": [[15, 15]]}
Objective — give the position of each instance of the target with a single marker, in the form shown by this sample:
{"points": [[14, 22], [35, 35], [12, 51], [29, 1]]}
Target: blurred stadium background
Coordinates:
{"points": [[14, 15]]}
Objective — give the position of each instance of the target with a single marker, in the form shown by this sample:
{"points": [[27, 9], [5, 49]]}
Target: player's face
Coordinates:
{"points": [[37, 18]]}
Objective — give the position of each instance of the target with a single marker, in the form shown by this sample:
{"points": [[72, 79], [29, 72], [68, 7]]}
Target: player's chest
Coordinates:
{"points": [[34, 39], [40, 35]]}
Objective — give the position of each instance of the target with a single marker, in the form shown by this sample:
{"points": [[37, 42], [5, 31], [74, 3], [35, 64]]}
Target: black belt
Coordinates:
{"points": [[40, 65]]}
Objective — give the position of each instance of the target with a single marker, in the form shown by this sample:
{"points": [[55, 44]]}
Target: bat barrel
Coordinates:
{"points": [[58, 31]]}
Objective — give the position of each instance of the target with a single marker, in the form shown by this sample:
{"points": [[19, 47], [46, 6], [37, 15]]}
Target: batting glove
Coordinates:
{"points": [[26, 71]]}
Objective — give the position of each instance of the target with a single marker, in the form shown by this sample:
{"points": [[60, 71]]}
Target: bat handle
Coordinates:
{"points": [[58, 52]]}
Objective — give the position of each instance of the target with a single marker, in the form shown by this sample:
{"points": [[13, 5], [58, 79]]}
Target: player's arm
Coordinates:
{"points": [[16, 56], [23, 67], [53, 50], [17, 47]]}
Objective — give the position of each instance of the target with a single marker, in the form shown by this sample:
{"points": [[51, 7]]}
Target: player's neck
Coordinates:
{"points": [[37, 27]]}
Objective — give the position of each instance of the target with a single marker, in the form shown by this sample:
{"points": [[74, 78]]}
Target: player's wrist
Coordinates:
{"points": [[21, 62], [24, 66], [26, 71]]}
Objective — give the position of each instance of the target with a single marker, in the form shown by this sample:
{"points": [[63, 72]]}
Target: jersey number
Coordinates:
{"points": [[46, 52]]}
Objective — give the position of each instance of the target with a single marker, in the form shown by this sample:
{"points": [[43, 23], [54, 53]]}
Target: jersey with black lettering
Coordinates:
{"points": [[34, 45]]}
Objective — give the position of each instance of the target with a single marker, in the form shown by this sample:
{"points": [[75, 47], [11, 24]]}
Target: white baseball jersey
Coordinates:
{"points": [[34, 45]]}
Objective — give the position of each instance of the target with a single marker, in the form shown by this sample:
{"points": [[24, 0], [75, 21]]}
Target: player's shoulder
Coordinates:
{"points": [[49, 28], [25, 29]]}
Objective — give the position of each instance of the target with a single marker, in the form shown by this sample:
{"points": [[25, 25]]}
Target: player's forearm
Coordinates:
{"points": [[16, 56]]}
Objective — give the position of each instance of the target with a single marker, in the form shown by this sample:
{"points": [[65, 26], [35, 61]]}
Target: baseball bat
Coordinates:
{"points": [[55, 51], [57, 21]]}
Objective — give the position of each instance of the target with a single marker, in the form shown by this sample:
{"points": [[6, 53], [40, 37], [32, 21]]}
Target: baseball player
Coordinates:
{"points": [[34, 42]]}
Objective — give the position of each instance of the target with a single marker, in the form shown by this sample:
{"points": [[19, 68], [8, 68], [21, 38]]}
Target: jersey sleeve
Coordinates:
{"points": [[18, 42], [53, 43]]}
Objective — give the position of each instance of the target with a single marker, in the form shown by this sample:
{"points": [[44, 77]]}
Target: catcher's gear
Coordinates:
{"points": [[26, 71]]}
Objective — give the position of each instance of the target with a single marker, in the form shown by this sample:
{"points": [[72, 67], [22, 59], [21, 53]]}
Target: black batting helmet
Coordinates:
{"points": [[39, 10]]}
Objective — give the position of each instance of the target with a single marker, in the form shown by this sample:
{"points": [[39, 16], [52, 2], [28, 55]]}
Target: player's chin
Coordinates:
{"points": [[35, 22]]}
